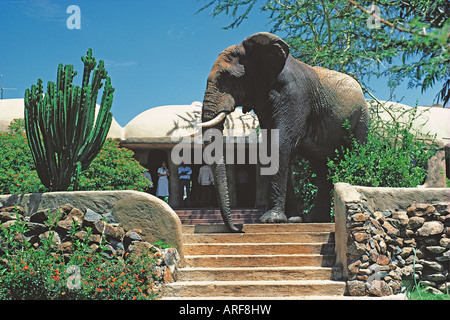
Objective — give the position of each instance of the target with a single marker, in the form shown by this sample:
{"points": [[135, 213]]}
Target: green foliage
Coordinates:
{"points": [[410, 41], [420, 292], [17, 170], [304, 181], [114, 168], [45, 274], [392, 157], [63, 132]]}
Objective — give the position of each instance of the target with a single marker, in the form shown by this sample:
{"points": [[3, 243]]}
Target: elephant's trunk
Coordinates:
{"points": [[220, 180]]}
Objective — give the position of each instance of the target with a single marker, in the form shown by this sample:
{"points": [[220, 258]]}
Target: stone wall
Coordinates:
{"points": [[388, 238], [133, 210]]}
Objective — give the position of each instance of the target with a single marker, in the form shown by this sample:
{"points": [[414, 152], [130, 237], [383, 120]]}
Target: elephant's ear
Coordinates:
{"points": [[267, 52]]}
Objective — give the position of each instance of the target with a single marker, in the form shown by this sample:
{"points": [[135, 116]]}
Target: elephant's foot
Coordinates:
{"points": [[273, 216]]}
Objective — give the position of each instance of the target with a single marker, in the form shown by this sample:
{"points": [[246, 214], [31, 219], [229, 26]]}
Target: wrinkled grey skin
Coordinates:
{"points": [[307, 104]]}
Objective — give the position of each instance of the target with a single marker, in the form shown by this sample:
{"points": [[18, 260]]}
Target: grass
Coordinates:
{"points": [[420, 292]]}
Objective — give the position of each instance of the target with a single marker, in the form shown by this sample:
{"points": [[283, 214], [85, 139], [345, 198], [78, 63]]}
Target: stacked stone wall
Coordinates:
{"points": [[388, 250]]}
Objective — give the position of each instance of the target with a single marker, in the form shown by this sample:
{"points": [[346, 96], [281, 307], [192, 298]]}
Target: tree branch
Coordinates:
{"points": [[385, 21]]}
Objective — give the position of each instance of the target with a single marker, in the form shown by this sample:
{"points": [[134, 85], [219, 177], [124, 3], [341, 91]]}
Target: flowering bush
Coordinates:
{"points": [[42, 272]]}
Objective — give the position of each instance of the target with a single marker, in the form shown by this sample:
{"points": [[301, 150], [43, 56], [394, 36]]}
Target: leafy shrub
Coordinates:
{"points": [[392, 157], [114, 168], [45, 274], [17, 171]]}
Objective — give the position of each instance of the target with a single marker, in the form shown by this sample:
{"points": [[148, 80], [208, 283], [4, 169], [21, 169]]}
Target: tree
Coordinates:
{"points": [[394, 38]]}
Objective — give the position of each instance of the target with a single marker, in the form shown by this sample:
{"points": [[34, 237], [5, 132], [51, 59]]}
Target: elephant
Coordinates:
{"points": [[308, 105]]}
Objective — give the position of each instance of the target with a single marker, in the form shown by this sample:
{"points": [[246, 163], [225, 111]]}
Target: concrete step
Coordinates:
{"points": [[258, 273], [279, 288], [269, 237], [274, 260], [218, 221], [262, 228], [258, 248]]}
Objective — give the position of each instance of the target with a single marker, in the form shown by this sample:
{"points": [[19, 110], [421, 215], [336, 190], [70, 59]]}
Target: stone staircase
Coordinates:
{"points": [[267, 261], [201, 216]]}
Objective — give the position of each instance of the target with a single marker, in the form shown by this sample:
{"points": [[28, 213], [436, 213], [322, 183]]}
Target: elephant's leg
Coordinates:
{"points": [[291, 206], [322, 204], [277, 189]]}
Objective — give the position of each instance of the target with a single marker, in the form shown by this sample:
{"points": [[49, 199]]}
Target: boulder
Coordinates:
{"points": [[430, 228]]}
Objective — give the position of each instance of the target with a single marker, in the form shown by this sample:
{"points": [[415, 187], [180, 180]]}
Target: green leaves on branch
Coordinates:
{"points": [[63, 131]]}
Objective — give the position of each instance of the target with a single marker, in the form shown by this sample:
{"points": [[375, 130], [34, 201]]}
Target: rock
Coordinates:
{"points": [[415, 222], [138, 247], [154, 217], [101, 227], [90, 217], [379, 216], [356, 288], [50, 235], [430, 228], [390, 229], [295, 219], [355, 250], [401, 216], [433, 265], [435, 249], [76, 215], [435, 277], [65, 247], [131, 236], [14, 209], [445, 257], [172, 260], [445, 242], [354, 267], [420, 210], [445, 287], [359, 217], [7, 216], [35, 228], [432, 290], [64, 225], [383, 260], [379, 288], [361, 236]]}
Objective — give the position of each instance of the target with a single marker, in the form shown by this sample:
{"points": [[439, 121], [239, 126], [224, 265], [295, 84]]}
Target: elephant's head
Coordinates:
{"points": [[240, 74]]}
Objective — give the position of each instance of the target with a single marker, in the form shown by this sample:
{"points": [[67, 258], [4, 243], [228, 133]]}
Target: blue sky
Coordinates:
{"points": [[157, 52]]}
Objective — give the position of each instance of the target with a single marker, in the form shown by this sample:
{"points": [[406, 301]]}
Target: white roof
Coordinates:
{"points": [[180, 120], [11, 109], [430, 120]]}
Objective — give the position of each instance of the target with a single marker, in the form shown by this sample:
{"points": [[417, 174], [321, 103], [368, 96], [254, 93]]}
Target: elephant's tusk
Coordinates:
{"points": [[218, 119]]}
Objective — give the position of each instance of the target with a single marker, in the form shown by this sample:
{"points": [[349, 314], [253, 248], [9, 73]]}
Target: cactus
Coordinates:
{"points": [[63, 132]]}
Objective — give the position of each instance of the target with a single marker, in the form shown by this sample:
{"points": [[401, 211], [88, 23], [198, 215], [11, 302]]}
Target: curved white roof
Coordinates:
{"points": [[169, 121], [430, 120], [11, 109]]}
